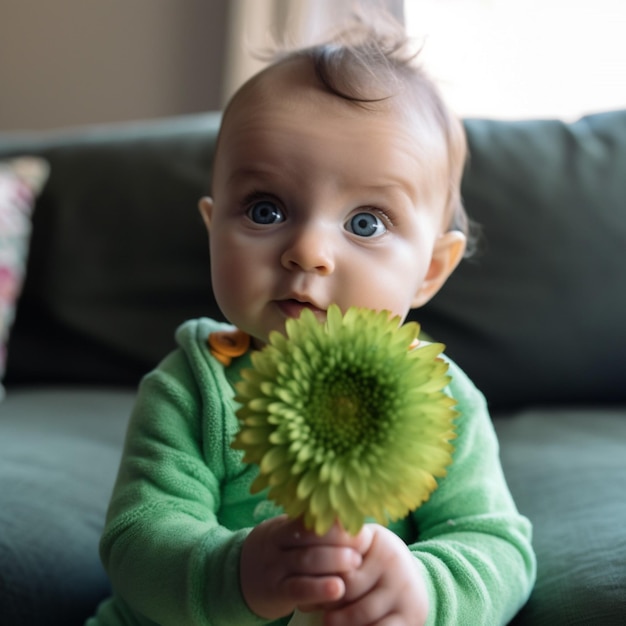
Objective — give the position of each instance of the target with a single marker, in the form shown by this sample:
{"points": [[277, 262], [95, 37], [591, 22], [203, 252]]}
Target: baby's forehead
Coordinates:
{"points": [[294, 83], [291, 89], [291, 80]]}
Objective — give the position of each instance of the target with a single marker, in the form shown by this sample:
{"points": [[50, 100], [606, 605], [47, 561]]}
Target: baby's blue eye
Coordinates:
{"points": [[366, 225], [265, 212]]}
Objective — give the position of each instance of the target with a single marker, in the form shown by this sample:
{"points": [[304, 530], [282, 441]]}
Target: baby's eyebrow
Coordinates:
{"points": [[392, 188], [260, 173]]}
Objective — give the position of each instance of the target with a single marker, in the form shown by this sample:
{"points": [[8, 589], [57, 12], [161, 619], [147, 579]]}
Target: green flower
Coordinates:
{"points": [[345, 420]]}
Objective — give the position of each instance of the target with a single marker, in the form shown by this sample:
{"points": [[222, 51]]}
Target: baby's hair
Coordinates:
{"points": [[371, 61], [363, 63]]}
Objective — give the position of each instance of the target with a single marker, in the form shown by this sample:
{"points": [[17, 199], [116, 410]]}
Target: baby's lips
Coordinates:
{"points": [[293, 308]]}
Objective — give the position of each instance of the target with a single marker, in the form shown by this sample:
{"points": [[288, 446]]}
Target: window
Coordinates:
{"points": [[524, 58]]}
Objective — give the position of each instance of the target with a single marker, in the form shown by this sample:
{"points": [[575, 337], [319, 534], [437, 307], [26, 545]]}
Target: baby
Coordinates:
{"points": [[336, 181]]}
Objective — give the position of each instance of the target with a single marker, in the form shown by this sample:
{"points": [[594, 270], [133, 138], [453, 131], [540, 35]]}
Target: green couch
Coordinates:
{"points": [[119, 258]]}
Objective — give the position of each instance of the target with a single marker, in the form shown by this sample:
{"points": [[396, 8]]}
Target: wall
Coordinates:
{"points": [[75, 62]]}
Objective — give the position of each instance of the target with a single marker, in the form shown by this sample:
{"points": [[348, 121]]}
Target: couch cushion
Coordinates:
{"points": [[567, 471], [538, 315], [59, 453]]}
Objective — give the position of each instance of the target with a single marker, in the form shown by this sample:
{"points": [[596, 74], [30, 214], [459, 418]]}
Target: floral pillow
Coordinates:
{"points": [[21, 179]]}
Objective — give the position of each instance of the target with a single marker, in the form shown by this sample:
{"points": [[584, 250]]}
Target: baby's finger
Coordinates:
{"points": [[295, 534], [373, 608], [392, 620], [313, 590], [320, 560], [364, 539]]}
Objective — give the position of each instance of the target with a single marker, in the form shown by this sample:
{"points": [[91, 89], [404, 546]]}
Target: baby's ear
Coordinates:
{"points": [[206, 210], [447, 254]]}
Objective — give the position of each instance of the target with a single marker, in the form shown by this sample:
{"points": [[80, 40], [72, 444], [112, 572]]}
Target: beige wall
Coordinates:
{"points": [[75, 62]]}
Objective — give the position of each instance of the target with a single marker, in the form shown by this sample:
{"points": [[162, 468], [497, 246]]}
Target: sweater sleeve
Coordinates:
{"points": [[169, 559], [473, 545]]}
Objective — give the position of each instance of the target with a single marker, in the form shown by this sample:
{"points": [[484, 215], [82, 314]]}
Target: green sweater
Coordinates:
{"points": [[181, 508]]}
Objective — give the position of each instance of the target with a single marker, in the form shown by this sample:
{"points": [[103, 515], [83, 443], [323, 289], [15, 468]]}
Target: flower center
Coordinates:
{"points": [[344, 409]]}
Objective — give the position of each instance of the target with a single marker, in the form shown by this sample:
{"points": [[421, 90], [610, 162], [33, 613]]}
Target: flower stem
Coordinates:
{"points": [[307, 619]]}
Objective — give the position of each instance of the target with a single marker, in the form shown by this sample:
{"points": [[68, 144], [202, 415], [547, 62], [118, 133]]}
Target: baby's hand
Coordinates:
{"points": [[387, 589], [284, 566]]}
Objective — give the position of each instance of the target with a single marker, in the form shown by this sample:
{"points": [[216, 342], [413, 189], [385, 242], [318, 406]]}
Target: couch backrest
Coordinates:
{"points": [[538, 315], [118, 254], [119, 257]]}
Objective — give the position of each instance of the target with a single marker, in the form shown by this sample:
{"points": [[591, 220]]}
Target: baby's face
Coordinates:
{"points": [[315, 202]]}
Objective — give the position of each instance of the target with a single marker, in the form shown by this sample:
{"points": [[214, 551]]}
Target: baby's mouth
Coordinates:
{"points": [[294, 308]]}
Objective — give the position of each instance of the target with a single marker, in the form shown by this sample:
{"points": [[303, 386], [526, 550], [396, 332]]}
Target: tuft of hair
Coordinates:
{"points": [[366, 61]]}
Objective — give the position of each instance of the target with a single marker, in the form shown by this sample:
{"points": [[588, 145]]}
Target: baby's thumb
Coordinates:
{"points": [[365, 538]]}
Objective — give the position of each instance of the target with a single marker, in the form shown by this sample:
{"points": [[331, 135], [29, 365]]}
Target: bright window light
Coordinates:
{"points": [[517, 59]]}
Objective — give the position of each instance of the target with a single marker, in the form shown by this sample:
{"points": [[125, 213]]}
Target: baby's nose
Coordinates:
{"points": [[309, 250]]}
